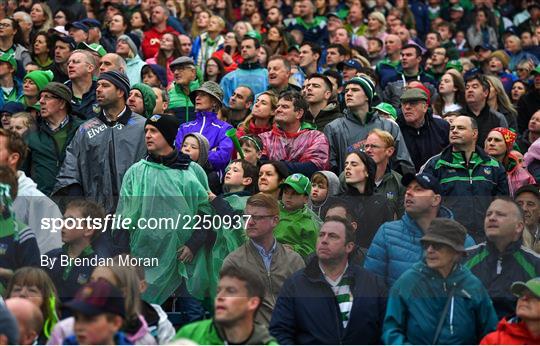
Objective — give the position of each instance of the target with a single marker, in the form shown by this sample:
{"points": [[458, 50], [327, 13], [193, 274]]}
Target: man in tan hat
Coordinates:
{"points": [[208, 100]]}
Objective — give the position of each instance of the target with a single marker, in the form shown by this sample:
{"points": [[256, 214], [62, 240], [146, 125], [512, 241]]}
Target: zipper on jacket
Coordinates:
{"points": [[499, 266], [203, 124]]}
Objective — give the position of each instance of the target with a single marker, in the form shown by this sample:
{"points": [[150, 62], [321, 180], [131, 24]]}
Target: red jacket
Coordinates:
{"points": [[510, 333], [152, 39], [237, 60]]}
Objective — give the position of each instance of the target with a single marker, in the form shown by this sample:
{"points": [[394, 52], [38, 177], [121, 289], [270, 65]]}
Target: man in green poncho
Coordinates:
{"points": [[166, 189]]}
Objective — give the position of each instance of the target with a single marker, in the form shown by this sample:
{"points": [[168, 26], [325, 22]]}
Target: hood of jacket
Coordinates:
{"points": [[333, 190], [517, 330], [259, 336], [26, 186]]}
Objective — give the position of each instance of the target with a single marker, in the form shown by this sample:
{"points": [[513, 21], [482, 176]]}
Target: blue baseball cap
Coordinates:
{"points": [[350, 63], [91, 22], [12, 107], [77, 25], [426, 180]]}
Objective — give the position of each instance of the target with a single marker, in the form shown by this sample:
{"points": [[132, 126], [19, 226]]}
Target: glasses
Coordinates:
{"points": [[258, 218], [435, 246], [49, 97], [5, 25]]}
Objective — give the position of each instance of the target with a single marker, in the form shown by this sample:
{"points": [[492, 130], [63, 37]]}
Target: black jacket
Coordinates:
{"points": [[487, 120], [528, 104], [307, 312], [326, 115], [426, 141], [498, 271]]}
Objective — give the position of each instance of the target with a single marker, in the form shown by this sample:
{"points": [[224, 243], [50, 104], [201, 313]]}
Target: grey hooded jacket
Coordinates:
{"points": [[98, 157], [349, 132]]}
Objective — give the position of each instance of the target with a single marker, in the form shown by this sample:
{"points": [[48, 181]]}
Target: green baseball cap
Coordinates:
{"points": [[455, 64], [299, 182], [387, 108], [533, 285], [536, 70], [9, 58], [93, 47]]}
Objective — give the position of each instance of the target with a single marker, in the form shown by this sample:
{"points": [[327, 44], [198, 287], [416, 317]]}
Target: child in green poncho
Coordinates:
{"points": [[239, 182], [298, 226]]}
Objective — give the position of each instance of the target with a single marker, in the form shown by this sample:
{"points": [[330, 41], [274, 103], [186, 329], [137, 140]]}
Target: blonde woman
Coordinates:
{"points": [[499, 101]]}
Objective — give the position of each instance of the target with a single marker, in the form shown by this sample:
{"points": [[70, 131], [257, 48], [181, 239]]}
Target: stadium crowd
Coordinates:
{"points": [[269, 172]]}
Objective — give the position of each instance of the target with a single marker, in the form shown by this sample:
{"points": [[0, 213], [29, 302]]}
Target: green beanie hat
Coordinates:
{"points": [[366, 84], [41, 78], [149, 98]]}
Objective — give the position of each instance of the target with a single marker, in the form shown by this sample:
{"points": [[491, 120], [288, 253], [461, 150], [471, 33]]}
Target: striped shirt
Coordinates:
{"points": [[342, 291]]}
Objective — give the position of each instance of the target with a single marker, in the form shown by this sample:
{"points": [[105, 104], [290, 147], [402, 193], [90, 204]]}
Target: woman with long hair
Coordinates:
{"points": [[451, 97], [135, 325], [139, 21], [519, 88], [35, 285], [376, 27], [201, 22], [406, 15], [499, 101], [369, 209], [275, 39], [263, 55], [42, 48], [261, 118], [230, 55], [41, 17], [321, 8], [169, 49], [214, 70], [118, 26]]}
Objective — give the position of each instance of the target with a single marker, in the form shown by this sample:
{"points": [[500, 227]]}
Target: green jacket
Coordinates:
{"points": [[206, 332], [179, 101], [45, 158], [299, 229]]}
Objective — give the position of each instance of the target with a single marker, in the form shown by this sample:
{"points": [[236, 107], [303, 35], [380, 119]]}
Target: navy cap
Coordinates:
{"points": [[12, 107], [350, 63], [333, 14], [77, 25], [484, 46], [91, 22], [426, 180], [67, 39]]}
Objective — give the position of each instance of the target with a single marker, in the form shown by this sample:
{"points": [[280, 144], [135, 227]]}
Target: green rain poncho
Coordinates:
{"points": [[228, 239], [154, 191]]}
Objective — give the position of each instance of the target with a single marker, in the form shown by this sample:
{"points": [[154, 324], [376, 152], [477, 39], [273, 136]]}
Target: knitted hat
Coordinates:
{"points": [[447, 232], [158, 70], [60, 90], [204, 147], [502, 56], [366, 84], [211, 88], [132, 40], [149, 99], [509, 137], [40, 78], [119, 79], [166, 124]]}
